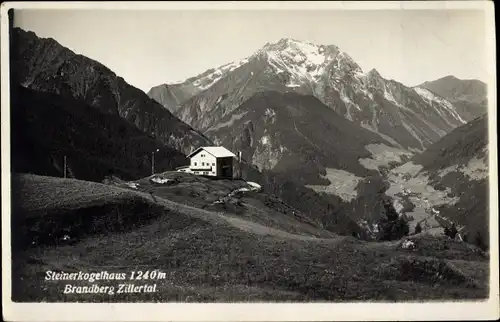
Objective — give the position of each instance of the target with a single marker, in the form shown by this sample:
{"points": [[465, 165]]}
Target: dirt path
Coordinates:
{"points": [[242, 224]]}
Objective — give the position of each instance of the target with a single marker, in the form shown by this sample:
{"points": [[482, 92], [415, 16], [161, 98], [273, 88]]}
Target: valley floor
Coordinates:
{"points": [[208, 254]]}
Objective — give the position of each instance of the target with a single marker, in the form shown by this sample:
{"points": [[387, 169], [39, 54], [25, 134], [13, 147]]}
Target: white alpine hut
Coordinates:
{"points": [[215, 161]]}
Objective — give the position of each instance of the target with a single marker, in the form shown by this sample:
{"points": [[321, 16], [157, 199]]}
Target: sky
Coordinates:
{"points": [[152, 47]]}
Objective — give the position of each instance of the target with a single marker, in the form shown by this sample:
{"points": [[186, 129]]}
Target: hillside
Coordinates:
{"points": [[278, 189], [46, 127], [294, 132], [448, 183], [296, 138], [459, 146], [236, 197], [172, 96], [409, 118], [217, 255], [45, 65], [469, 96]]}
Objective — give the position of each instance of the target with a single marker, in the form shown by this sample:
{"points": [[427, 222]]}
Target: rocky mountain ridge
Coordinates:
{"points": [[469, 96], [47, 66], [409, 117]]}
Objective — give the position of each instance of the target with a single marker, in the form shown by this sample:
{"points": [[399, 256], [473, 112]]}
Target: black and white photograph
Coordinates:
{"points": [[245, 154]]}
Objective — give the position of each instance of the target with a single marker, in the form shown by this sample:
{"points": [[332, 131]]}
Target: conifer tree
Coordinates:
{"points": [[418, 228]]}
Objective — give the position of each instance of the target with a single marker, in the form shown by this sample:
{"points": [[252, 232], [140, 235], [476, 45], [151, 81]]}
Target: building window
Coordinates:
{"points": [[203, 163], [205, 173], [202, 155], [213, 164]]}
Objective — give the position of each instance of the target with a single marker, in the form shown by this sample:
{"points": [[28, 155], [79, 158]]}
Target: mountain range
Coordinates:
{"points": [[296, 107], [60, 117], [313, 128], [411, 118]]}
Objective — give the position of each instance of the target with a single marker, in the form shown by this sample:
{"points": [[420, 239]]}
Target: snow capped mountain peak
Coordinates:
{"points": [[306, 62], [290, 42], [303, 61], [331, 75], [316, 53]]}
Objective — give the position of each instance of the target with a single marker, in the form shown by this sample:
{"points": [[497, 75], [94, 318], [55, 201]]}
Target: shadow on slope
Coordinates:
{"points": [[46, 127], [44, 65], [54, 211]]}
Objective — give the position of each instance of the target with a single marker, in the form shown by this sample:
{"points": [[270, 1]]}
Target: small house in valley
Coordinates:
{"points": [[213, 161]]}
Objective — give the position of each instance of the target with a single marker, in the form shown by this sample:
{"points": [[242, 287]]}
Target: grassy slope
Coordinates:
{"points": [[221, 256], [258, 207]]}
